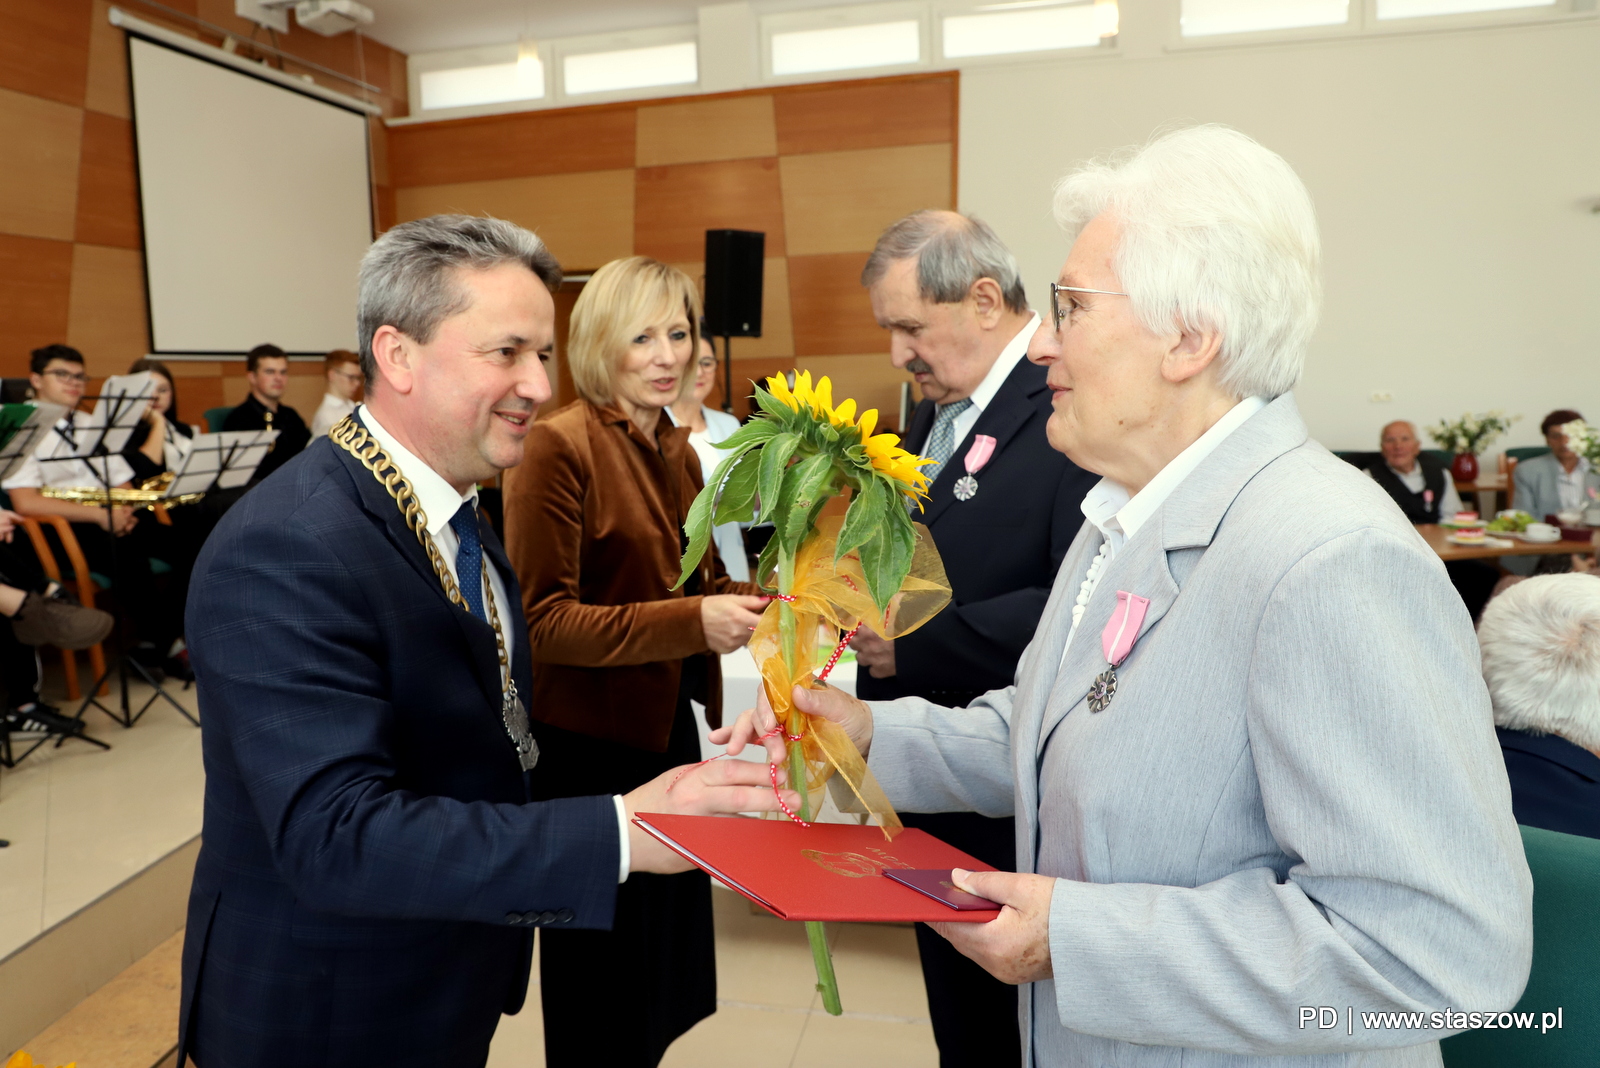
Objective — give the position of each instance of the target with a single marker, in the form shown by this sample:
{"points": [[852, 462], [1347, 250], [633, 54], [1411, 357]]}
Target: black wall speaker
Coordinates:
{"points": [[733, 282]]}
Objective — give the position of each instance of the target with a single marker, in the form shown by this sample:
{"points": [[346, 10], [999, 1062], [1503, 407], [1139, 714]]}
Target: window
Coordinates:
{"points": [[631, 68], [495, 83], [995, 33], [882, 44], [1410, 9], [1203, 18]]}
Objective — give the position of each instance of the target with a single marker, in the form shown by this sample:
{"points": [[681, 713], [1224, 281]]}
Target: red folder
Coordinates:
{"points": [[827, 871]]}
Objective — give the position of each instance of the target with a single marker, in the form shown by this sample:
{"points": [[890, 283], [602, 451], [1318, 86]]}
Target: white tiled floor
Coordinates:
{"points": [[81, 820], [769, 1015]]}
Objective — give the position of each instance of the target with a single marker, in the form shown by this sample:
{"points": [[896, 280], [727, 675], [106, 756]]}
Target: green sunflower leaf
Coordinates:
{"points": [[805, 488], [775, 456], [864, 518], [738, 492], [754, 432], [886, 557], [772, 405]]}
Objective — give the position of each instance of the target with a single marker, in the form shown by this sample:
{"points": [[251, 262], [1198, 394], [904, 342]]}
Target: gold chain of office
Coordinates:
{"points": [[353, 438]]}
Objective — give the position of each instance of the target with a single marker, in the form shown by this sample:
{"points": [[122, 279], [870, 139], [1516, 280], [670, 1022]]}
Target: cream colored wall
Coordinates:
{"points": [[1452, 174]]}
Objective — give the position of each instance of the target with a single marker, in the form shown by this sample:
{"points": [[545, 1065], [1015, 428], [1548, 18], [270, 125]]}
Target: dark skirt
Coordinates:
{"points": [[620, 997]]}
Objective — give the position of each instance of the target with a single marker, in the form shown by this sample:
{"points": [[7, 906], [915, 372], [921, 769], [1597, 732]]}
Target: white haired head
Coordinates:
{"points": [[1217, 233], [1541, 657]]}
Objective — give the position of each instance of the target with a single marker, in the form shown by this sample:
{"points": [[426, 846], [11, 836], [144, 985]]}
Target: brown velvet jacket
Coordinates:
{"points": [[594, 520]]}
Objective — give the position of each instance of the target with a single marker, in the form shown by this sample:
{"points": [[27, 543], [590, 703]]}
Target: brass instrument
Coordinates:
{"points": [[148, 495]]}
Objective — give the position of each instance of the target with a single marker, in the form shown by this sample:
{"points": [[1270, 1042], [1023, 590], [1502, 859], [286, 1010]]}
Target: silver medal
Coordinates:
{"points": [[966, 488], [515, 717], [1103, 690]]}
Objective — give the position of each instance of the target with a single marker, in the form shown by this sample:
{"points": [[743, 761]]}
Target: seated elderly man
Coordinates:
{"points": [[1249, 752], [1419, 484], [1541, 658], [1426, 493]]}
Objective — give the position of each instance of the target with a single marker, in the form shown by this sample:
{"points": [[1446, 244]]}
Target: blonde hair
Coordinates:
{"points": [[618, 301]]}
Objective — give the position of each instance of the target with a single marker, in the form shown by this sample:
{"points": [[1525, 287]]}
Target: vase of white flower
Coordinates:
{"points": [[1467, 437]]}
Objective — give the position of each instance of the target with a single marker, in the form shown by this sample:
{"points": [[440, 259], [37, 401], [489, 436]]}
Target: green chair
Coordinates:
{"points": [[215, 417], [1566, 947], [1444, 456], [1357, 458], [1527, 452]]}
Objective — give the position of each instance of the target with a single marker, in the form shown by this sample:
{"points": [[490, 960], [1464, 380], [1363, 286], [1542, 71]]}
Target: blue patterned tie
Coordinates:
{"points": [[942, 442], [469, 558]]}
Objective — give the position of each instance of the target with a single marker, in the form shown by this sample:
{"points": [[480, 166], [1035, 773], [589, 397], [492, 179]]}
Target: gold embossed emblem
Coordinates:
{"points": [[854, 865]]}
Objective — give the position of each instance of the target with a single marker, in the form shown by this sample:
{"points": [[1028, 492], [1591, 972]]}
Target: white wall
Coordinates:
{"points": [[1452, 174]]}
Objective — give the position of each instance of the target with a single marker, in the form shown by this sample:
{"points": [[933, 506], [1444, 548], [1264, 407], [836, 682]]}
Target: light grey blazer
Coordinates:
{"points": [[1295, 798], [1538, 492]]}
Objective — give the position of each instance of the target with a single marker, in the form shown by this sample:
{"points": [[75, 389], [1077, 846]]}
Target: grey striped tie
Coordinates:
{"points": [[942, 442]]}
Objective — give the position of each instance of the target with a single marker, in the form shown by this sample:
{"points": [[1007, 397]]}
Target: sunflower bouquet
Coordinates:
{"points": [[872, 568]]}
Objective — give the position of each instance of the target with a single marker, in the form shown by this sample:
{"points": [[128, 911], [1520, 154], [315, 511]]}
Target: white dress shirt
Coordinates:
{"points": [[1569, 484], [439, 501], [330, 411], [63, 441], [1001, 370], [1416, 482], [1119, 516]]}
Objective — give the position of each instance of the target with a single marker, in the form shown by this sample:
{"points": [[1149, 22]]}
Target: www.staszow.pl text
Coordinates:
{"points": [[1326, 1018]]}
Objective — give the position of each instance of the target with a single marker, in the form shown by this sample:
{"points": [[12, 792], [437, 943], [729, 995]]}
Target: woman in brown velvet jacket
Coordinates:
{"points": [[594, 518]]}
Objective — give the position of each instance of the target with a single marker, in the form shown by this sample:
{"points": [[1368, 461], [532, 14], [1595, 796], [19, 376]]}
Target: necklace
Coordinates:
{"points": [[353, 438]]}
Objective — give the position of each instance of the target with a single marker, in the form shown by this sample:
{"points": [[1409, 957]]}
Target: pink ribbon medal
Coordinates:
{"points": [[982, 449], [1122, 630]]}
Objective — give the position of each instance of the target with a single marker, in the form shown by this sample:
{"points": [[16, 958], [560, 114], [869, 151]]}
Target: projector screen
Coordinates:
{"points": [[257, 208]]}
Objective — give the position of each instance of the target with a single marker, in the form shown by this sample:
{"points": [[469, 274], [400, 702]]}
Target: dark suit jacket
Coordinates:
{"points": [[371, 868], [293, 434], [1555, 784], [1001, 549]]}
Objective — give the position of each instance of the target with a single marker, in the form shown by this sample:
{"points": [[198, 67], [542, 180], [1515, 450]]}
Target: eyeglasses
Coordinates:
{"points": [[69, 376], [1057, 314]]}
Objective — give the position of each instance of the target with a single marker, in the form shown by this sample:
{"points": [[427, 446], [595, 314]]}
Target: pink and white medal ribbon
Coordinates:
{"points": [[1122, 630], [982, 449]]}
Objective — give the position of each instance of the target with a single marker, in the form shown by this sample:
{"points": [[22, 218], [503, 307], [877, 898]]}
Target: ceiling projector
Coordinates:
{"points": [[329, 17]]}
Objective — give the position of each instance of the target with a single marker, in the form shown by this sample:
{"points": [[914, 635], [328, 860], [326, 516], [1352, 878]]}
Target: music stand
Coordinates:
{"points": [[99, 439]]}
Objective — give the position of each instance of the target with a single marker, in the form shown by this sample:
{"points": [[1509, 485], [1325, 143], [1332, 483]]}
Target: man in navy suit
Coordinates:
{"points": [[1003, 510], [372, 870]]}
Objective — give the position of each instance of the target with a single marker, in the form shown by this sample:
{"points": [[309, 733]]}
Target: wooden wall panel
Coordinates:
{"points": [[675, 206], [586, 219], [870, 379], [739, 127], [107, 87], [842, 201], [512, 146], [832, 316], [39, 184], [777, 327], [108, 190], [107, 321], [44, 48], [35, 282], [870, 114]]}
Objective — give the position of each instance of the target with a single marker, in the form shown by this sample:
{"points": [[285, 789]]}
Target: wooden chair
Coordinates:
{"points": [[81, 584]]}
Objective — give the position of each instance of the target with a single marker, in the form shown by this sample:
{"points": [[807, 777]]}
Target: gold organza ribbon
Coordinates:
{"points": [[836, 595]]}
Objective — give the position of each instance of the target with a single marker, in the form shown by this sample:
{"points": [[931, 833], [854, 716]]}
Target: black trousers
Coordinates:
{"points": [[618, 998], [974, 1014], [19, 664], [126, 562]]}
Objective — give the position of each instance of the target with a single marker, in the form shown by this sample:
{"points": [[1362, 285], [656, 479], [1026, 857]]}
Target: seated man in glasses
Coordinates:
{"points": [[58, 377]]}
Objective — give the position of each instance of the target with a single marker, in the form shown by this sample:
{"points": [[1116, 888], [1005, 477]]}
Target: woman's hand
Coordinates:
{"points": [[728, 619], [1015, 947], [755, 725], [9, 522], [715, 788]]}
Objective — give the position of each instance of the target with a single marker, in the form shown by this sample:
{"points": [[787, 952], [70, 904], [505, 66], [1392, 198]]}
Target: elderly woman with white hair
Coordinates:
{"points": [[1249, 751], [1541, 658]]}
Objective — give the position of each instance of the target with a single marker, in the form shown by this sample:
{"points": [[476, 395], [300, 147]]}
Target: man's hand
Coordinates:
{"points": [[728, 619], [9, 522], [826, 701], [874, 653], [719, 788], [1014, 947], [119, 522]]}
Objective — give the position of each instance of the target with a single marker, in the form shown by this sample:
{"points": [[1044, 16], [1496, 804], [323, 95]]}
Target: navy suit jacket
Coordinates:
{"points": [[1555, 784], [371, 867], [1001, 549]]}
